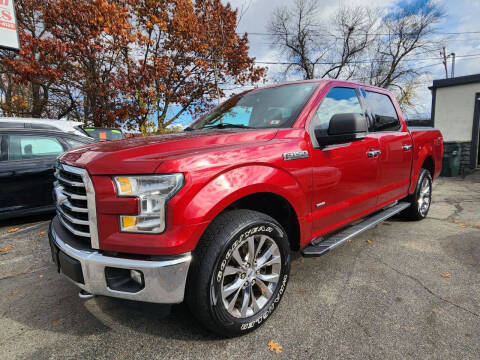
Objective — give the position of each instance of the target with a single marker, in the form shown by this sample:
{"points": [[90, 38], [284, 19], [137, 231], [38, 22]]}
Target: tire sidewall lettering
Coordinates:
{"points": [[270, 310], [268, 229], [244, 235]]}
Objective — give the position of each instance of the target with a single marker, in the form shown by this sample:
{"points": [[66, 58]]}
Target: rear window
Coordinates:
{"points": [[382, 112], [104, 134]]}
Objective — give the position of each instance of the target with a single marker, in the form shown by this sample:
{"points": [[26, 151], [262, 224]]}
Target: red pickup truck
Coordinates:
{"points": [[211, 215]]}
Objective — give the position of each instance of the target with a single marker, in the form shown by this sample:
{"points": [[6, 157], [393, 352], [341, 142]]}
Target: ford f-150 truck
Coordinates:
{"points": [[211, 215]]}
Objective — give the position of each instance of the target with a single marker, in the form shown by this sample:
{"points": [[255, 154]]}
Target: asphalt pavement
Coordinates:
{"points": [[402, 290]]}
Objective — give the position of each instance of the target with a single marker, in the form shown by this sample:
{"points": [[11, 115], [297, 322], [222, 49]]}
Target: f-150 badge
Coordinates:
{"points": [[295, 155]]}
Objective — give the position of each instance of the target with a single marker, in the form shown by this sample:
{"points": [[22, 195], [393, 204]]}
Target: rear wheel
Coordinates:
{"points": [[239, 272], [421, 199]]}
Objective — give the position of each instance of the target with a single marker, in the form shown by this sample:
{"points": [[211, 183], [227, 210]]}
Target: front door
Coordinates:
{"points": [[28, 169], [344, 176]]}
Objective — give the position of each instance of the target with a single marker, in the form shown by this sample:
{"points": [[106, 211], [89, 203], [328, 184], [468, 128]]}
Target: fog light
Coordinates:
{"points": [[125, 280], [136, 276]]}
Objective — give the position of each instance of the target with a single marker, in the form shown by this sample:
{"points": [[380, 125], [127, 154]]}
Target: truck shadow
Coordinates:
{"points": [[167, 321]]}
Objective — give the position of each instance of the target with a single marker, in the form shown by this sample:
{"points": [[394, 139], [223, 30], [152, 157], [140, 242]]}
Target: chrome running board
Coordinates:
{"points": [[319, 248]]}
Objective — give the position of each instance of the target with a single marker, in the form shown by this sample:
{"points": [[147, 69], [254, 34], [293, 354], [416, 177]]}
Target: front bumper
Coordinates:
{"points": [[163, 280]]}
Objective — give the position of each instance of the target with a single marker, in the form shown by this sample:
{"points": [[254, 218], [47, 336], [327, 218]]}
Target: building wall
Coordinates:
{"points": [[454, 106], [465, 159]]}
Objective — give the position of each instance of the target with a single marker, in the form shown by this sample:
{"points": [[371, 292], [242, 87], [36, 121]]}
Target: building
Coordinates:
{"points": [[456, 113]]}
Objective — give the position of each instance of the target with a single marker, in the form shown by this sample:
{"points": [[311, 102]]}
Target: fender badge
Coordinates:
{"points": [[295, 155]]}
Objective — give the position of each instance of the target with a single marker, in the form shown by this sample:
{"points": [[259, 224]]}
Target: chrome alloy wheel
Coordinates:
{"points": [[251, 276], [424, 196]]}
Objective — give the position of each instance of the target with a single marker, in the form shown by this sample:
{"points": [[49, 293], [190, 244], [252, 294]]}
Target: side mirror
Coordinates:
{"points": [[343, 128]]}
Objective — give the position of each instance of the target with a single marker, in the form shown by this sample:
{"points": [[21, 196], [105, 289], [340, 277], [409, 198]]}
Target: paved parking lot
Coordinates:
{"points": [[401, 290]]}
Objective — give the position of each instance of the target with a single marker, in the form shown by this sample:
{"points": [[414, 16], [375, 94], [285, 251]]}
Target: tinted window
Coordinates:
{"points": [[263, 108], [42, 126], [104, 134], [23, 147], [337, 101], [382, 112], [11, 125]]}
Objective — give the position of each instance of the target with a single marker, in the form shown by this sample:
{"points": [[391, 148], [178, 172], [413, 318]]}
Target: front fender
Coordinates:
{"points": [[236, 183]]}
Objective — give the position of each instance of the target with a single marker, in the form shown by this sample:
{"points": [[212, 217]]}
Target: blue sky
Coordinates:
{"points": [[461, 16]]}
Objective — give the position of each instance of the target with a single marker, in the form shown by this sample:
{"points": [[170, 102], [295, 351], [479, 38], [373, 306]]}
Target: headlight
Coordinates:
{"points": [[153, 193]]}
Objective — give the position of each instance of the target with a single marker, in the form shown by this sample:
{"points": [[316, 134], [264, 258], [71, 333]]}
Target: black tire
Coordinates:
{"points": [[416, 211], [215, 252]]}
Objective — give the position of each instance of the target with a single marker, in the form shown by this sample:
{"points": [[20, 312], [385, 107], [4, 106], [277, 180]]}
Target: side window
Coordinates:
{"points": [[337, 101], [382, 112], [24, 147], [3, 147]]}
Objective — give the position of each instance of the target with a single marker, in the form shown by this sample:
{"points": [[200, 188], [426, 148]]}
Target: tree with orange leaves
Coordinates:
{"points": [[186, 50], [115, 61]]}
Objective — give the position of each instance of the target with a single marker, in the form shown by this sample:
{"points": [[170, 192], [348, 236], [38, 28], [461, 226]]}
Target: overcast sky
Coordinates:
{"points": [[461, 16]]}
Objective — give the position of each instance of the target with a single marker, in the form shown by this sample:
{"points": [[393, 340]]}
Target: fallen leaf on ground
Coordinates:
{"points": [[302, 260], [275, 346], [349, 240], [41, 233], [373, 246], [12, 230], [369, 241], [40, 276], [446, 275], [6, 248], [15, 292]]}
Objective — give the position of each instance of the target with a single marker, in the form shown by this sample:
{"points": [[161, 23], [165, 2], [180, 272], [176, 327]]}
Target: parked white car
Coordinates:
{"points": [[72, 127]]}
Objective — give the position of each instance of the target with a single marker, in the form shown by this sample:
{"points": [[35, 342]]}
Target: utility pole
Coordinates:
{"points": [[443, 54], [453, 64]]}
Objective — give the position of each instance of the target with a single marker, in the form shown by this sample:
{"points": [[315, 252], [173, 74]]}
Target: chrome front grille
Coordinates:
{"points": [[75, 201]]}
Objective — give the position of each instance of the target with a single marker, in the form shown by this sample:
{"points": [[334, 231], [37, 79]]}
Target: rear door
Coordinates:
{"points": [[29, 165], [344, 176], [396, 146]]}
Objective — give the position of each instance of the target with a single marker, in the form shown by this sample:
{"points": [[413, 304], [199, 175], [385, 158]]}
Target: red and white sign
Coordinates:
{"points": [[8, 26]]}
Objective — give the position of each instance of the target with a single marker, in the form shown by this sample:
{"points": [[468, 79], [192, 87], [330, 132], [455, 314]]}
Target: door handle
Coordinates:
{"points": [[407, 147], [373, 153]]}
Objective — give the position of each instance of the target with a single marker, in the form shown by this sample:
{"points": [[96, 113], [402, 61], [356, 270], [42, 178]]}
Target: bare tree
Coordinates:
{"points": [[404, 34], [321, 49], [297, 32], [375, 46], [351, 37]]}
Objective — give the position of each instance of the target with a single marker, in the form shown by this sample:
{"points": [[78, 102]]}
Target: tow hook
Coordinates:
{"points": [[85, 295]]}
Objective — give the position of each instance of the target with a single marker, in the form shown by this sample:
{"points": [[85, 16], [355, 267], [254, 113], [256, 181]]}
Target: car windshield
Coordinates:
{"points": [[273, 107], [104, 134]]}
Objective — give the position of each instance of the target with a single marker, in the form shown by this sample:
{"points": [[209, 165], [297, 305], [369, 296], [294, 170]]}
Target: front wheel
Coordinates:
{"points": [[422, 197], [239, 272]]}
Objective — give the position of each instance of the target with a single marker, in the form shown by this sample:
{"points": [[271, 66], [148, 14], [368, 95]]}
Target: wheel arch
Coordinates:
{"points": [[266, 189], [429, 164], [424, 160], [277, 207]]}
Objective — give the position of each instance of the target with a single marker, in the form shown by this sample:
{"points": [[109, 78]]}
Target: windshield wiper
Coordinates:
{"points": [[227, 125]]}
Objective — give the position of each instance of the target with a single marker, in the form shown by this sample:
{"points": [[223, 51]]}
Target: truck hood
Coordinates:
{"points": [[142, 155]]}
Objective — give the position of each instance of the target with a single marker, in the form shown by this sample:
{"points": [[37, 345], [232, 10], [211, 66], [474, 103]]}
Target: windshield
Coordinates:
{"points": [[104, 134], [263, 108]]}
